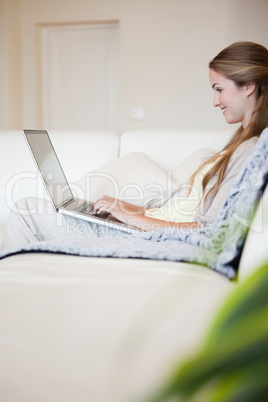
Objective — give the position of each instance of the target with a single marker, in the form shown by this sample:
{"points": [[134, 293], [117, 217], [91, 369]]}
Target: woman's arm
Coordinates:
{"points": [[134, 215]]}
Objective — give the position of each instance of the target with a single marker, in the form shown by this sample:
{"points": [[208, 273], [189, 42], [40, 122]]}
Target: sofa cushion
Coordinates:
{"points": [[69, 325], [134, 178], [167, 148], [183, 171]]}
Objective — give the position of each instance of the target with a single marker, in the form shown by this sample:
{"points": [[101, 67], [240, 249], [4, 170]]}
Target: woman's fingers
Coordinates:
{"points": [[105, 204], [116, 207]]}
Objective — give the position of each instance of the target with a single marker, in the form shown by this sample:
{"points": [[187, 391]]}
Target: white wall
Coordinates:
{"points": [[165, 47], [3, 67], [10, 64]]}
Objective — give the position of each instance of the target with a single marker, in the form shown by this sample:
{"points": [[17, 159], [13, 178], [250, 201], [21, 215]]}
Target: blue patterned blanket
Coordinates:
{"points": [[217, 247]]}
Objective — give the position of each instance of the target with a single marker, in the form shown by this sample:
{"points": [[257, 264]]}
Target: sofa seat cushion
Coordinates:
{"points": [[69, 266], [70, 324]]}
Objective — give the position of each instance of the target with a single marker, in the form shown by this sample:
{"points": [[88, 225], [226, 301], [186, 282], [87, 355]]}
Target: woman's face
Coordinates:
{"points": [[236, 103]]}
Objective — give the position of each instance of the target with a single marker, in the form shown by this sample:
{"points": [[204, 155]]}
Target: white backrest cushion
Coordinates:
{"points": [[184, 170], [168, 148], [84, 151], [78, 152], [133, 178]]}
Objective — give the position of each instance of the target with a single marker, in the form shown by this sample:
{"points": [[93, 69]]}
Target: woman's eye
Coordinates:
{"points": [[219, 90]]}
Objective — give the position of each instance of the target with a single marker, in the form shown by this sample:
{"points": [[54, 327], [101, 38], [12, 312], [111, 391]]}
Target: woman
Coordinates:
{"points": [[239, 79]]}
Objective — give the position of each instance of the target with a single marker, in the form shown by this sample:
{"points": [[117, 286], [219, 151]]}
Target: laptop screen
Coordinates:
{"points": [[49, 167]]}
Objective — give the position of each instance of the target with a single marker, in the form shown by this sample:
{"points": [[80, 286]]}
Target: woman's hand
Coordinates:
{"points": [[121, 210]]}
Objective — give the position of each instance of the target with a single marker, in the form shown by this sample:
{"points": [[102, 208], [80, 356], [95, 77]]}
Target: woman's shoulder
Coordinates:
{"points": [[247, 145], [242, 152]]}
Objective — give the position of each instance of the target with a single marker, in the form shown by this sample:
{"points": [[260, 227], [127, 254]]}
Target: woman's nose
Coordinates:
{"points": [[216, 101]]}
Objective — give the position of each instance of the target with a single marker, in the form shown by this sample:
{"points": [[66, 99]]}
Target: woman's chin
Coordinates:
{"points": [[229, 120]]}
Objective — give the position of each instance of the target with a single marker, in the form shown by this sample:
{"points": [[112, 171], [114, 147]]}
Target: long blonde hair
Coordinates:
{"points": [[243, 63]]}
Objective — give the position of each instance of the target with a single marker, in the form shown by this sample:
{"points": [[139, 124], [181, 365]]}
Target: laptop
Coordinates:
{"points": [[57, 186]]}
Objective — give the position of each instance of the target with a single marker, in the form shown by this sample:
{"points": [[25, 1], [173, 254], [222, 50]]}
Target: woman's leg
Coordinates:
{"points": [[32, 220]]}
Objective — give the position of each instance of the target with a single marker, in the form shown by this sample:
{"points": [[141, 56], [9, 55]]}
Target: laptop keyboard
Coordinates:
{"points": [[87, 209]]}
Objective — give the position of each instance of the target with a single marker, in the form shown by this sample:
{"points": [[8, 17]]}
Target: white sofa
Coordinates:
{"points": [[103, 329]]}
